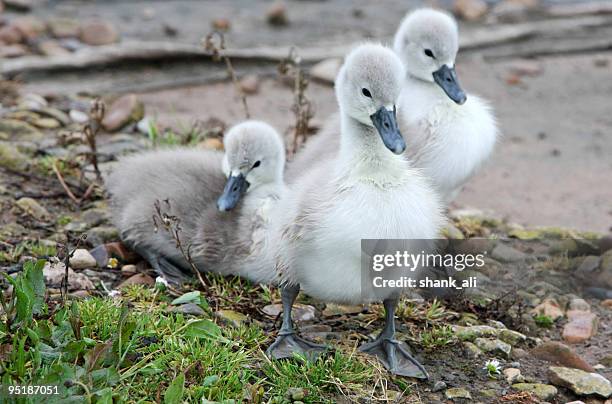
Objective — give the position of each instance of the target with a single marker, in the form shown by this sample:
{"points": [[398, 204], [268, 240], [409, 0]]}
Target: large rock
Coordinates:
{"points": [[494, 346], [470, 10], [54, 274], [582, 325], [82, 259], [579, 304], [471, 350], [20, 131], [33, 208], [64, 28], [513, 375], [550, 308], [98, 32], [475, 331], [138, 279], [457, 393], [512, 337], [580, 382], [559, 353], [12, 158], [505, 253], [122, 111], [542, 391]]}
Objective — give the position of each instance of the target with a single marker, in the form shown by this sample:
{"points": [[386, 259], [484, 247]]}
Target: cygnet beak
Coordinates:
{"points": [[446, 77], [385, 122], [235, 187]]}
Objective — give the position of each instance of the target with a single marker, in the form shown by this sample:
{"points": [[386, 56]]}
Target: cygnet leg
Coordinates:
{"points": [[164, 267], [287, 343], [393, 354]]}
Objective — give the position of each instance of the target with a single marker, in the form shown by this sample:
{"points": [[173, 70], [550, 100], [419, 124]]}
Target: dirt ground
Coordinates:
{"points": [[552, 166]]}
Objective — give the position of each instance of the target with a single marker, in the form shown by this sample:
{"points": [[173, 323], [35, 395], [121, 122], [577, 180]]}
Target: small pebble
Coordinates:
{"points": [[438, 386]]}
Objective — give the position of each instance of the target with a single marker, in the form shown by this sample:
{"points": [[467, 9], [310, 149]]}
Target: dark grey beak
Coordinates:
{"points": [[235, 187], [446, 77], [385, 122]]}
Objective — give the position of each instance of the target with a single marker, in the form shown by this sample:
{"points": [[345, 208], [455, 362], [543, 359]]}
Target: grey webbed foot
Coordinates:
{"points": [[393, 354], [396, 357], [287, 345]]}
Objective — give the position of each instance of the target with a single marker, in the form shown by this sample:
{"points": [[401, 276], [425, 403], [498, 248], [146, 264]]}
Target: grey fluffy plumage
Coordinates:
{"points": [[191, 181]]}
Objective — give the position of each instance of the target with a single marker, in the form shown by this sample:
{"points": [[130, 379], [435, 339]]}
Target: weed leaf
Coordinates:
{"points": [[174, 393], [205, 329], [190, 297]]}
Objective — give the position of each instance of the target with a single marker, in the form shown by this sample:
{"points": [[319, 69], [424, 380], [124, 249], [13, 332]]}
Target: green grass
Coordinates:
{"points": [[188, 135], [325, 377], [543, 321], [437, 337], [133, 349], [36, 249]]}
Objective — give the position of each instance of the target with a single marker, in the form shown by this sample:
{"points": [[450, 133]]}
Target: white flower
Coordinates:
{"points": [[162, 280], [114, 293], [492, 366]]}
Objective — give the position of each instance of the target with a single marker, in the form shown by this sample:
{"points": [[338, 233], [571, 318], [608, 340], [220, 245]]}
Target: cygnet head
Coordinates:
{"points": [[254, 156], [427, 41], [367, 88]]}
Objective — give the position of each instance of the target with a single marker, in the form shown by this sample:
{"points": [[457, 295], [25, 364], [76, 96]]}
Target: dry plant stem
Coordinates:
{"points": [[76, 200], [91, 129], [302, 107], [171, 224], [217, 54], [60, 178], [69, 254]]}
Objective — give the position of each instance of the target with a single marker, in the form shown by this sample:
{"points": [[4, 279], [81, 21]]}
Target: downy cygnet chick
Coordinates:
{"points": [[367, 191], [451, 134], [199, 187]]}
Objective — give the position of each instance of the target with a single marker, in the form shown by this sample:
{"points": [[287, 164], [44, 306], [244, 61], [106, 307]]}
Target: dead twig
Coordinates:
{"points": [[172, 224], [68, 255], [60, 178], [302, 107], [218, 54], [91, 129]]}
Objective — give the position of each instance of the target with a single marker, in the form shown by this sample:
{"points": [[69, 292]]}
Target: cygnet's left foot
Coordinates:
{"points": [[395, 356], [289, 344]]}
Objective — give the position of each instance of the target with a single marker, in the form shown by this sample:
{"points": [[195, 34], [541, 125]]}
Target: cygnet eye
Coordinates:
{"points": [[257, 164], [366, 92], [429, 53]]}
